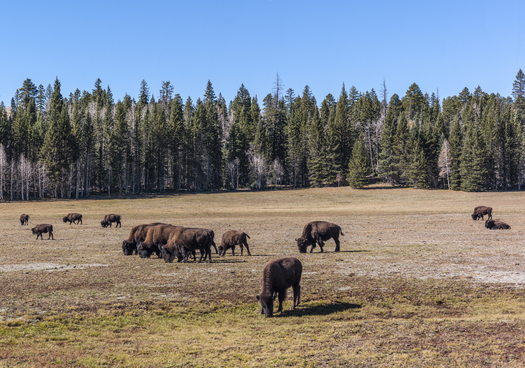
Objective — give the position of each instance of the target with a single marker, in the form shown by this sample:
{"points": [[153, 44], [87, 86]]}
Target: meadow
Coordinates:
{"points": [[417, 283]]}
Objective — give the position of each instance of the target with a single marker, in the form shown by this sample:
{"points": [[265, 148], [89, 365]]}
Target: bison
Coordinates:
{"points": [[43, 228], [318, 232], [109, 219], [136, 235], [185, 241], [496, 225], [278, 276], [230, 239], [24, 219], [156, 237], [480, 211], [73, 218]]}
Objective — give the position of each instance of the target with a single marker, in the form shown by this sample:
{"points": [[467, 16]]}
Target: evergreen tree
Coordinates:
{"points": [[388, 168], [58, 149], [456, 144], [357, 167]]}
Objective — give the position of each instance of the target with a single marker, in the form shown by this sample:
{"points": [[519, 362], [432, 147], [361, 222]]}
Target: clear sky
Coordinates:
{"points": [[440, 45]]}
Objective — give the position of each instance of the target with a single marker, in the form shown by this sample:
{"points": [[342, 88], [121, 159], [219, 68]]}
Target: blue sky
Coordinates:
{"points": [[444, 45]]}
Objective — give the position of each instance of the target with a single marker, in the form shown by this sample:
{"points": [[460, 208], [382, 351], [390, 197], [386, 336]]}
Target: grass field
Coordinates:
{"points": [[417, 283]]}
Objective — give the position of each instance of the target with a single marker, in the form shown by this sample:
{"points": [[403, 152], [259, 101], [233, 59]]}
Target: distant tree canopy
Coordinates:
{"points": [[56, 146]]}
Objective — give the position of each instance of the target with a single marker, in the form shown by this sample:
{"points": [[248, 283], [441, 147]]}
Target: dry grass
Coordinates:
{"points": [[418, 283]]}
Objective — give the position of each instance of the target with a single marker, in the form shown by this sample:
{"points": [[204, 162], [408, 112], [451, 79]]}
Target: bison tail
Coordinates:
{"points": [[341, 231], [248, 236]]}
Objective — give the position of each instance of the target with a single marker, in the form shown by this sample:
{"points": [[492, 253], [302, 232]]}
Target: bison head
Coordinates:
{"points": [[143, 251], [169, 254], [489, 224], [302, 243], [128, 248], [33, 230], [475, 216], [104, 223], [222, 250], [266, 301], [64, 219]]}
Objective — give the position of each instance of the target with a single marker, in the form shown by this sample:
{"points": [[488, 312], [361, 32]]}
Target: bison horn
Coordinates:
{"points": [[295, 239]]}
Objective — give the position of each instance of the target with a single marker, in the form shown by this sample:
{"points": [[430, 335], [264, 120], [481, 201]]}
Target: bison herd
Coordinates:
{"points": [[177, 242]]}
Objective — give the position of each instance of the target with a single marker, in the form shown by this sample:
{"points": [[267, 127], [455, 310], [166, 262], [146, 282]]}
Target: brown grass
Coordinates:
{"points": [[418, 283]]}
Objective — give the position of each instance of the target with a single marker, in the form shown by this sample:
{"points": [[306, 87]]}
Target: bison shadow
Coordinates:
{"points": [[219, 260], [319, 310]]}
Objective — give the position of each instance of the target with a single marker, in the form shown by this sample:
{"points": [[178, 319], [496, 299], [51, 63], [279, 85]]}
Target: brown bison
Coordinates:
{"points": [[230, 239], [185, 241], [278, 276], [109, 219], [43, 228], [480, 211], [318, 232], [496, 225], [73, 218], [136, 235], [24, 219], [156, 237]]}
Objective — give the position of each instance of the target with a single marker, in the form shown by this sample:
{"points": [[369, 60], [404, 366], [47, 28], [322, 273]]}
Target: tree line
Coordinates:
{"points": [[71, 147]]}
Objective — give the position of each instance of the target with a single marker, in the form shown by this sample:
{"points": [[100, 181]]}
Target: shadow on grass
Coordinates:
{"points": [[220, 260], [319, 310], [341, 251]]}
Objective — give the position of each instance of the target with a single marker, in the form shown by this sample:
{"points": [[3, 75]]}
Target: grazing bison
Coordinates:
{"points": [[318, 232], [136, 235], [73, 218], [24, 219], [480, 211], [43, 228], [278, 276], [185, 241], [156, 237], [230, 239], [496, 225], [109, 219]]}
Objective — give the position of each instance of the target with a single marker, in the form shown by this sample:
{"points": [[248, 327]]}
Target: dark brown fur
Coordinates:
{"points": [[73, 218], [24, 219], [109, 219], [496, 225], [480, 211], [156, 237], [318, 232], [185, 241], [278, 276], [136, 235], [43, 228], [230, 239]]}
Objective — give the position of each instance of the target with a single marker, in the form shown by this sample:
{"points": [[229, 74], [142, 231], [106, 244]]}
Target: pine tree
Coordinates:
{"points": [[357, 167], [58, 149], [388, 168], [143, 93], [456, 144], [472, 167]]}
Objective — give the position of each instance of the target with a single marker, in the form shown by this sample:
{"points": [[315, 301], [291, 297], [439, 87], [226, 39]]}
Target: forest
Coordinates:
{"points": [[86, 143]]}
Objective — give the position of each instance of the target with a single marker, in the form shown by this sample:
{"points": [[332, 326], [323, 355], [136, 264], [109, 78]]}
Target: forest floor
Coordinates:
{"points": [[417, 283]]}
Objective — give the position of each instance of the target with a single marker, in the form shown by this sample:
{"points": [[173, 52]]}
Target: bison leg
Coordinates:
{"points": [[51, 236], [296, 295], [233, 249], [337, 244], [247, 248], [321, 244], [282, 296]]}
